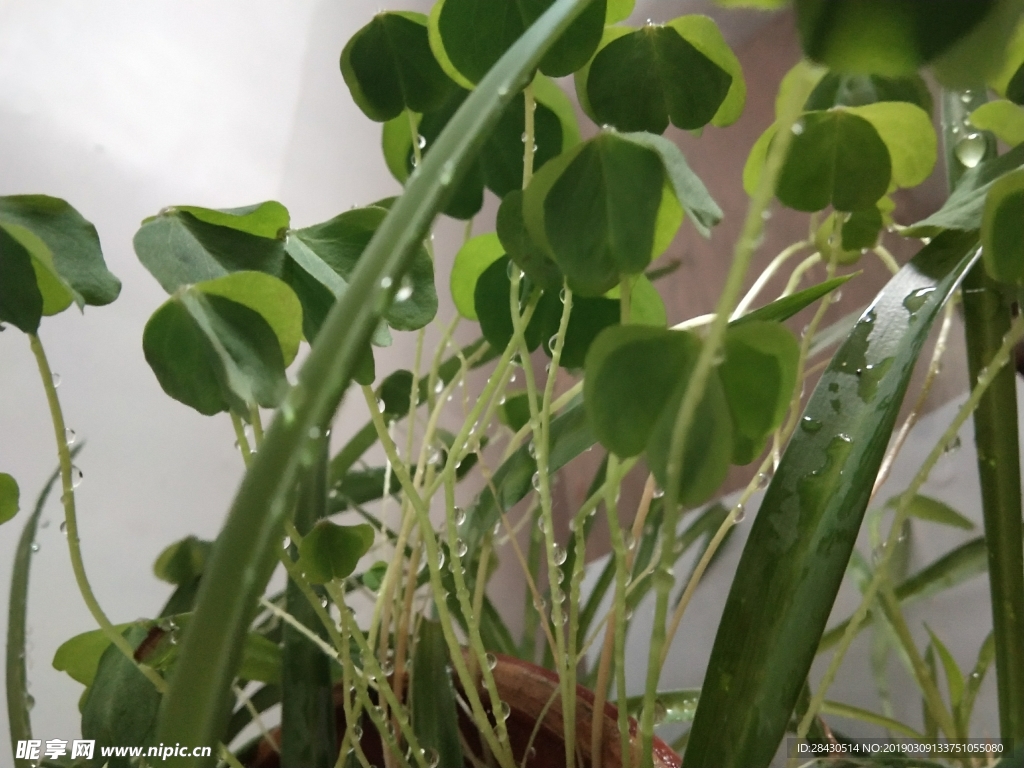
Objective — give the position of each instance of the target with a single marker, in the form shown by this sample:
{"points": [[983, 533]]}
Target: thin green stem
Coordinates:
{"points": [[987, 317], [749, 240], [67, 471], [241, 439]]}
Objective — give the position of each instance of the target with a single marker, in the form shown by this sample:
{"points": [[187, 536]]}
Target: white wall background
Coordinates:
{"points": [[122, 108]]}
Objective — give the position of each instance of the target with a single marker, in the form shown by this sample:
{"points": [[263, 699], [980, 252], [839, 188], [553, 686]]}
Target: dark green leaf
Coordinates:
{"points": [[472, 259], [179, 248], [515, 411], [246, 550], [373, 577], [891, 37], [434, 712], [214, 354], [182, 561], [331, 551], [839, 90], [396, 391], [468, 38], [687, 186], [73, 245], [861, 230], [388, 67], [21, 301], [120, 706], [837, 159], [787, 306], [492, 300], [806, 527], [339, 243], [759, 376], [502, 159], [642, 80], [519, 245], [600, 214], [8, 497], [963, 210], [1002, 229], [19, 707]]}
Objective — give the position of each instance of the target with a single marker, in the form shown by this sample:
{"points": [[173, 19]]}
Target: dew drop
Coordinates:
{"points": [[798, 127], [405, 290], [966, 97], [553, 342], [524, 137], [286, 543], [440, 558], [70, 436], [658, 492], [837, 296], [421, 141], [385, 282], [536, 481], [387, 667], [492, 661], [357, 731], [539, 604], [513, 271], [763, 479], [461, 548], [807, 424], [531, 449], [558, 555], [431, 757], [739, 514], [64, 527], [953, 445], [439, 387], [314, 433], [76, 477], [29, 701], [970, 149], [447, 173], [35, 546], [460, 516], [56, 380]]}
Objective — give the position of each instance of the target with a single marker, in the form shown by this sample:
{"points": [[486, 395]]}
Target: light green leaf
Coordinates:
{"points": [[1002, 229], [1004, 118], [8, 497], [954, 677], [933, 510], [787, 306], [396, 143], [470, 262], [80, 656], [909, 136], [618, 10], [269, 219], [183, 561]]}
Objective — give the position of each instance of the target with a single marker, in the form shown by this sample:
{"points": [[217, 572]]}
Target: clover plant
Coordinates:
{"points": [[566, 287]]}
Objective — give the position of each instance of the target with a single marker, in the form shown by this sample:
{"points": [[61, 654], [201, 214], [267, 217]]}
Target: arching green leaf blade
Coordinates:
{"points": [[805, 530], [1002, 229]]}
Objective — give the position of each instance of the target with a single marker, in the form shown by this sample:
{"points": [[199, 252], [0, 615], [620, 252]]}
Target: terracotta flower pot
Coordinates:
{"points": [[526, 688]]}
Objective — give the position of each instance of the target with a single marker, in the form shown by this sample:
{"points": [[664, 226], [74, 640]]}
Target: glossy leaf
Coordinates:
{"points": [[839, 90], [182, 561], [642, 80], [964, 208], [935, 511], [471, 261], [434, 711], [388, 67], [808, 522], [758, 375], [8, 497], [193, 709], [1003, 118], [1002, 229], [64, 244], [468, 38], [836, 159], [907, 132], [214, 354], [331, 551]]}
